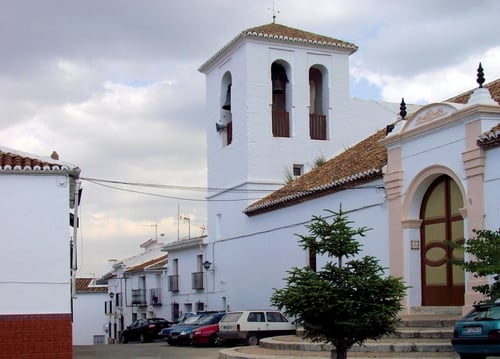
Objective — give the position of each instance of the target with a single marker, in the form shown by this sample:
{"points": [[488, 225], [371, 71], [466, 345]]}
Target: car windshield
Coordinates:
{"points": [[193, 319], [207, 319], [485, 313], [232, 317]]}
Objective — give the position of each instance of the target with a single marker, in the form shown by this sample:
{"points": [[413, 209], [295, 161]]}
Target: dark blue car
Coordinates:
{"points": [[477, 335], [181, 334], [165, 332]]}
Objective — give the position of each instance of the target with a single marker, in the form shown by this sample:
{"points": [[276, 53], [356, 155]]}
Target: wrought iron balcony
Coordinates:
{"points": [[139, 297], [173, 283], [155, 296], [197, 280], [229, 130]]}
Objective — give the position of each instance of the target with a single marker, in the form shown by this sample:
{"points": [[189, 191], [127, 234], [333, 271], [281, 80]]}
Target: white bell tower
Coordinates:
{"points": [[277, 99]]}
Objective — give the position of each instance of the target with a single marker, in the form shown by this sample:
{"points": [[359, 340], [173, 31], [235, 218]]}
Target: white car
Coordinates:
{"points": [[249, 326]]}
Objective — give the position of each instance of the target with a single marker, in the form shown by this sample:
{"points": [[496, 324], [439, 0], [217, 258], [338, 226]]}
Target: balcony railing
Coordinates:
{"points": [[139, 297], [229, 130], [173, 283], [155, 296], [317, 126], [281, 124], [118, 299], [197, 280]]}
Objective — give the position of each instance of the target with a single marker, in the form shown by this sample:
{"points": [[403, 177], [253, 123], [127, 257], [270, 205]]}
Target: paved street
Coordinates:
{"points": [[156, 350]]}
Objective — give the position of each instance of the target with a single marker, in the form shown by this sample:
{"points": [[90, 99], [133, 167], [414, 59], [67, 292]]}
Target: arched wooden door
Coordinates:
{"points": [[442, 282]]}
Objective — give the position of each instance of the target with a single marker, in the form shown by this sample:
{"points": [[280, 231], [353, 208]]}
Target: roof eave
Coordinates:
{"points": [[333, 187]]}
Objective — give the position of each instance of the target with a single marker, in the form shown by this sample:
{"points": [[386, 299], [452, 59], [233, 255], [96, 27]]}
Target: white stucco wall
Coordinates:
{"points": [[35, 244], [256, 258], [492, 189], [188, 263], [89, 318]]}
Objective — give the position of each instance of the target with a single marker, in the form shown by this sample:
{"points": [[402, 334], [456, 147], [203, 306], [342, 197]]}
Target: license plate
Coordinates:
{"points": [[472, 330], [174, 337]]}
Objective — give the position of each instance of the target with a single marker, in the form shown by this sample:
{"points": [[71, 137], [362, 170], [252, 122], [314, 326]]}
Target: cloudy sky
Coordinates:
{"points": [[113, 87]]}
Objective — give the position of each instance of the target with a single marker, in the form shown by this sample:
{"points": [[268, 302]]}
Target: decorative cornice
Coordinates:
{"points": [[284, 34]]}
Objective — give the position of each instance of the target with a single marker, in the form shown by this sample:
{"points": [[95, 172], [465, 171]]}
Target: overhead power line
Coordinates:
{"points": [[114, 184], [176, 187], [100, 183]]}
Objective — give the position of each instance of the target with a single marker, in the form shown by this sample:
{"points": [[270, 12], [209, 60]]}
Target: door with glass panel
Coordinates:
{"points": [[442, 281]]}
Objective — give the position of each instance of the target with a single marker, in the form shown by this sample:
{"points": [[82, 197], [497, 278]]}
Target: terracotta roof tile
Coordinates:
{"points": [[16, 161], [84, 285], [282, 33], [289, 34], [151, 264], [493, 86], [490, 138], [360, 163]]}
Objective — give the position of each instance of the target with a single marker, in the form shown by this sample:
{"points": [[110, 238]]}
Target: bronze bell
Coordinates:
{"points": [[227, 103], [277, 87]]}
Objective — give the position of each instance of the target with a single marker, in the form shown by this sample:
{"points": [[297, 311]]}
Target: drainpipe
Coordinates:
{"points": [[74, 264]]}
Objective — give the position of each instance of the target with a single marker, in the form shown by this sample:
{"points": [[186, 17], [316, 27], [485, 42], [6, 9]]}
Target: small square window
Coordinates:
{"points": [[298, 170]]}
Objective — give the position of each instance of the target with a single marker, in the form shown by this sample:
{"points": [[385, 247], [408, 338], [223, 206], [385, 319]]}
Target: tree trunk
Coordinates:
{"points": [[338, 354]]}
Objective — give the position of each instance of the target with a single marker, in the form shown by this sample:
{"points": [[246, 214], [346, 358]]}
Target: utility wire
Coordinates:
{"points": [[176, 187], [171, 197], [111, 184]]}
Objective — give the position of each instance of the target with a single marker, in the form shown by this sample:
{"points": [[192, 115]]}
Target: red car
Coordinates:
{"points": [[206, 335]]}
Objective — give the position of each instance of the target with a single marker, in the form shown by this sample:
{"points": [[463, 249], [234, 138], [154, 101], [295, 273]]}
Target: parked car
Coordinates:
{"points": [[182, 334], [165, 332], [477, 335], [184, 316], [205, 335], [251, 326], [144, 330]]}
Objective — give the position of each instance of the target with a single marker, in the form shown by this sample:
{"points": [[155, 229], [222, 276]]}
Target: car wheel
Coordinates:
{"points": [[123, 339], [143, 338], [252, 339], [213, 339]]}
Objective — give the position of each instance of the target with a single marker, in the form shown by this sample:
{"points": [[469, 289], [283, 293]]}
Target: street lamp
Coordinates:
{"points": [[207, 265]]}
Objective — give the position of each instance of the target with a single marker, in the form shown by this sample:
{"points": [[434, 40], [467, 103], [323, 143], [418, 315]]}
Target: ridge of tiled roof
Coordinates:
{"points": [[278, 32], [358, 164], [84, 285], [285, 33], [490, 138], [151, 264], [493, 87], [17, 161]]}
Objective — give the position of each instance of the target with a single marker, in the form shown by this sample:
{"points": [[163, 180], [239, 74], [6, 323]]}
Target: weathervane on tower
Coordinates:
{"points": [[274, 11]]}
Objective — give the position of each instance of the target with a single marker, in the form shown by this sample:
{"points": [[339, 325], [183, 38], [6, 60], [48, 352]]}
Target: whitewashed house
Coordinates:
{"points": [[38, 194], [136, 289], [90, 323], [187, 274]]}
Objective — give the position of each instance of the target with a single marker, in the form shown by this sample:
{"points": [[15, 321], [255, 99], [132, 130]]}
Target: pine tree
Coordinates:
{"points": [[350, 299]]}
